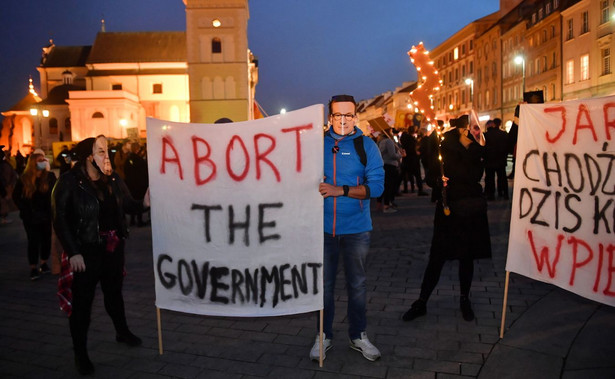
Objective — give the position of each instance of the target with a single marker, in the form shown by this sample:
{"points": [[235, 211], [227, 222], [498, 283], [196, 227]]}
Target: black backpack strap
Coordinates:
{"points": [[360, 149]]}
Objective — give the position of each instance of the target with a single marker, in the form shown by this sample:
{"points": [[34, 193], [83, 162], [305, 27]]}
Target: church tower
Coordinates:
{"points": [[222, 72]]}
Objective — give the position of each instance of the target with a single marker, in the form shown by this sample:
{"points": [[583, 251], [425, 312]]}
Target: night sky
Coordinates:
{"points": [[307, 50]]}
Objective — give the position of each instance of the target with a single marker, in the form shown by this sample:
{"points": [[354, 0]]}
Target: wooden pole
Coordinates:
{"points": [[504, 304], [321, 342], [159, 331]]}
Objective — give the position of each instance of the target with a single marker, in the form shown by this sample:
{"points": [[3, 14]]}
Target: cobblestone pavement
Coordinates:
{"points": [[550, 333]]}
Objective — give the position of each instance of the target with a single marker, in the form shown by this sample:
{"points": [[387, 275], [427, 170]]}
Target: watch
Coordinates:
{"points": [[346, 189]]}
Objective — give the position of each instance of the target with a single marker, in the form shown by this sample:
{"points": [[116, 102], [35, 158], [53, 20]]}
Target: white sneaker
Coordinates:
{"points": [[315, 352], [369, 351]]}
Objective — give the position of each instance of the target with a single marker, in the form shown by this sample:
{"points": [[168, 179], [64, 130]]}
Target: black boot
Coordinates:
{"points": [[466, 309], [128, 338], [83, 363], [418, 309]]}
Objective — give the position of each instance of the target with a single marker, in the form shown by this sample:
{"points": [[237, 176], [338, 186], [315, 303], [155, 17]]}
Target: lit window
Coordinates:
{"points": [[157, 88], [584, 63], [456, 53], [570, 72]]}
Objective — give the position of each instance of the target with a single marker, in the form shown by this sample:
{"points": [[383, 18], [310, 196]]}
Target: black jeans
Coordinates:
{"points": [[108, 268], [502, 182], [39, 241]]}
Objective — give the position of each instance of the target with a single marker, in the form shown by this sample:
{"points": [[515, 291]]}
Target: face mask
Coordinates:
{"points": [[106, 165], [41, 166]]}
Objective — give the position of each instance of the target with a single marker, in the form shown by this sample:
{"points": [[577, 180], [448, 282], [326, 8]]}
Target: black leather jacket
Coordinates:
{"points": [[75, 209]]}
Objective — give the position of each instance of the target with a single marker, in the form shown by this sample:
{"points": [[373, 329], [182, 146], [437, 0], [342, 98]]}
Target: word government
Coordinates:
{"points": [[223, 285]]}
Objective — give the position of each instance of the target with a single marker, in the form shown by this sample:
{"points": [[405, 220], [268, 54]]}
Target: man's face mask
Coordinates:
{"points": [[101, 159]]}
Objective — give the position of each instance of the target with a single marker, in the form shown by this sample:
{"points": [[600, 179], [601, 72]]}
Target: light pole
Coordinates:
{"points": [[470, 82], [519, 59]]}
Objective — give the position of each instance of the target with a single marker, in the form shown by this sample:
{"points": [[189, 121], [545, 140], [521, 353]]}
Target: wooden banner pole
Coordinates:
{"points": [[504, 304], [321, 339], [159, 330]]}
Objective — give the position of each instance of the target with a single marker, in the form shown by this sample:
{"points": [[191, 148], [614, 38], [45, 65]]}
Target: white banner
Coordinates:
{"points": [[563, 212], [237, 219]]}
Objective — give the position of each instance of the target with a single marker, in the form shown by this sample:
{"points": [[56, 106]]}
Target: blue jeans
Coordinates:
{"points": [[353, 248]]}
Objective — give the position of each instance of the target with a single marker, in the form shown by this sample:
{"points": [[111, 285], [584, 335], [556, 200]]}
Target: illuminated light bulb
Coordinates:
{"points": [[416, 103], [418, 69], [424, 78]]}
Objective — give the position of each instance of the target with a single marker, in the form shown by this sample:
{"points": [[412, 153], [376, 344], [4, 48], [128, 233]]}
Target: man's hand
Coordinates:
{"points": [[327, 190], [76, 263]]}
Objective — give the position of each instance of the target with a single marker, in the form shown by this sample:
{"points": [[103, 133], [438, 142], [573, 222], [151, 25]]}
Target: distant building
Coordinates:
{"points": [[200, 75]]}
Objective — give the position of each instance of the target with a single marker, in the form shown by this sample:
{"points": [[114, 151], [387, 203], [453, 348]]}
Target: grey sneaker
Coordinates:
{"points": [[315, 352], [369, 351]]}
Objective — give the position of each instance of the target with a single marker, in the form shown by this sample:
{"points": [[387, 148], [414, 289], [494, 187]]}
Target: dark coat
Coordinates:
{"points": [[136, 176], [76, 209], [37, 209], [496, 148], [465, 232]]}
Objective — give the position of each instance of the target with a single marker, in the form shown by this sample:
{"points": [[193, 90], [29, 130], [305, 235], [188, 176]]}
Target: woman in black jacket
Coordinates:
{"points": [[88, 208], [464, 233], [32, 195]]}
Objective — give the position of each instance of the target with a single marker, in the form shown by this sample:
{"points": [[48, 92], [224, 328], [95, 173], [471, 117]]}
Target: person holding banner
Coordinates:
{"points": [[88, 215], [354, 173], [464, 233]]}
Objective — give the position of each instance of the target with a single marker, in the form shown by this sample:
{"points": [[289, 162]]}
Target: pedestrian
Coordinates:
{"points": [[63, 159], [496, 153], [88, 213], [391, 156], [32, 196], [464, 234], [137, 180], [8, 180], [353, 173], [428, 149], [119, 159]]}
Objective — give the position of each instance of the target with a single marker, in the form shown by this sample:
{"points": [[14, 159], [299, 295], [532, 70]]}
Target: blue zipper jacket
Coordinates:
{"points": [[344, 215]]}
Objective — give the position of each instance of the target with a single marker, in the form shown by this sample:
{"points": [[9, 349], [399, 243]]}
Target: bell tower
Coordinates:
{"points": [[221, 69]]}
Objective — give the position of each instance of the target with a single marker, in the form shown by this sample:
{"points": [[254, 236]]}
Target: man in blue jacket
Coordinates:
{"points": [[353, 174]]}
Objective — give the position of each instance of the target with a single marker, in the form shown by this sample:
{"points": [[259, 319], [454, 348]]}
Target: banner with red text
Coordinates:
{"points": [[237, 219], [563, 212]]}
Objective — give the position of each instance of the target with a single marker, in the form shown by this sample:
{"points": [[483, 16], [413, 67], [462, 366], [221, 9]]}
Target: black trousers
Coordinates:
{"points": [[502, 182], [391, 183], [108, 269], [39, 241], [434, 269]]}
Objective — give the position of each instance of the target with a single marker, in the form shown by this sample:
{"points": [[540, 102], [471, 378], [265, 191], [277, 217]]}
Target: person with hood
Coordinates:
{"points": [[353, 173], [32, 195], [88, 205]]}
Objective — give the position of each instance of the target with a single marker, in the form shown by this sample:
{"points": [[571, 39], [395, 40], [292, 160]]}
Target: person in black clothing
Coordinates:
{"points": [[429, 158], [63, 159], [88, 215], [410, 164], [496, 152], [32, 195], [464, 234], [137, 179]]}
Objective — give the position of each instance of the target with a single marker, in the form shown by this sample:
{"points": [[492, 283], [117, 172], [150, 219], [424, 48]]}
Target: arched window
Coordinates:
{"points": [[98, 115], [216, 45], [67, 126], [53, 125]]}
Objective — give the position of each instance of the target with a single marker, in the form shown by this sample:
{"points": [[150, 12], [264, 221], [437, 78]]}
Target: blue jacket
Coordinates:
{"points": [[344, 215]]}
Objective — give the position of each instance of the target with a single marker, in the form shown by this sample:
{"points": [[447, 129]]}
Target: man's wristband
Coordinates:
{"points": [[346, 189]]}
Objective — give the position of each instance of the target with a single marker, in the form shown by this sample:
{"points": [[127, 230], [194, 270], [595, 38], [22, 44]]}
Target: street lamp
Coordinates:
{"points": [[470, 82], [34, 111], [519, 59]]}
